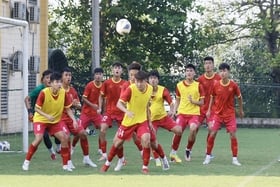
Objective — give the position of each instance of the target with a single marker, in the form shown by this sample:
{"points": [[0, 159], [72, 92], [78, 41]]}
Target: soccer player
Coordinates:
{"points": [[207, 81], [91, 112], [67, 121], [48, 111], [159, 117], [110, 93], [222, 100], [134, 102], [30, 101], [189, 98]]}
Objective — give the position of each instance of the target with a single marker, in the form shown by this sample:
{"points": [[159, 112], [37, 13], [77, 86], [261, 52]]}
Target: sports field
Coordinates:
{"points": [[258, 152]]}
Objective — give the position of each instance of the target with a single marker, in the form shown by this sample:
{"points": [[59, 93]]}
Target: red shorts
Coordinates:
{"points": [[86, 120], [40, 128], [230, 123], [125, 133], [108, 119], [166, 122], [185, 120], [69, 125], [203, 117]]}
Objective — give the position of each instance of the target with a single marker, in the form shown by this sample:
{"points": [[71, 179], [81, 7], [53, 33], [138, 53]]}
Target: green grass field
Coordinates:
{"points": [[258, 152]]}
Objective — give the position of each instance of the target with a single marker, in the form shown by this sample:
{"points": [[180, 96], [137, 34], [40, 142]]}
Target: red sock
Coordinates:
{"points": [[120, 152], [210, 144], [84, 145], [176, 141], [234, 146], [75, 140], [64, 155], [146, 156], [190, 144], [160, 151], [112, 153], [31, 150], [69, 150], [155, 154], [103, 146], [137, 142]]}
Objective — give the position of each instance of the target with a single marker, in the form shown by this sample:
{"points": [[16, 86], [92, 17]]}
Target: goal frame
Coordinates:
{"points": [[25, 26]]}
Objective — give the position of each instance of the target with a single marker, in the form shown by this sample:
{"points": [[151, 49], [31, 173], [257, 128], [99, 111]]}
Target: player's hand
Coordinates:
{"points": [[50, 118], [30, 117], [130, 114], [241, 113], [75, 124]]}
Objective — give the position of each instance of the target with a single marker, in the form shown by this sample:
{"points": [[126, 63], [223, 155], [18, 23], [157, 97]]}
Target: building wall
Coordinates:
{"points": [[10, 42]]}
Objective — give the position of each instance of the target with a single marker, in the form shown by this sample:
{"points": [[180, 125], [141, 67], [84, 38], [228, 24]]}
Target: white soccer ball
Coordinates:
{"points": [[5, 146], [123, 26]]}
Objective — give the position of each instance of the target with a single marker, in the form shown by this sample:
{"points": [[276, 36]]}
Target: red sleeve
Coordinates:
{"points": [[103, 88], [40, 100], [177, 92], [87, 89], [201, 91], [126, 95], [166, 96], [67, 101]]}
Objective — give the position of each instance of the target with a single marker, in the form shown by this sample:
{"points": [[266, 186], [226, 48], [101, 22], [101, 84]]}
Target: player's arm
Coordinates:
{"points": [[240, 103], [94, 106], [208, 113], [30, 110], [101, 103], [121, 104], [71, 115]]}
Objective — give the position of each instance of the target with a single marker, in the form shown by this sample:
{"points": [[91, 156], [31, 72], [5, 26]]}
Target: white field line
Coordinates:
{"points": [[251, 177]]}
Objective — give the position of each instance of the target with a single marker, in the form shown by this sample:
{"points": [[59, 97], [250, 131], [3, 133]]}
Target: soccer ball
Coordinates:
{"points": [[123, 26], [5, 146]]}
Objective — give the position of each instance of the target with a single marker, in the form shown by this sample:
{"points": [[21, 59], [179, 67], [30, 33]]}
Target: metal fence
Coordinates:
{"points": [[260, 99]]}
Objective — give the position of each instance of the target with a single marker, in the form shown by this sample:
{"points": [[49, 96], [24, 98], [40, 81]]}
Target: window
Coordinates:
{"points": [[4, 89]]}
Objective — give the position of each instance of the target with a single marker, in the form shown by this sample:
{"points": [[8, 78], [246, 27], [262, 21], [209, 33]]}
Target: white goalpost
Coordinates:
{"points": [[5, 24]]}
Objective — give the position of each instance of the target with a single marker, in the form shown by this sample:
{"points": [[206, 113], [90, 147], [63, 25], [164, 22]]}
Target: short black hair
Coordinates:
{"points": [[66, 69], [154, 73], [55, 76], [141, 75], [98, 70], [118, 64], [134, 65], [209, 58], [46, 73], [223, 66], [190, 66]]}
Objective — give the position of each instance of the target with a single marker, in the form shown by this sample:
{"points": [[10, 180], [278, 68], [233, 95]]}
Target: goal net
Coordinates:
{"points": [[14, 125]]}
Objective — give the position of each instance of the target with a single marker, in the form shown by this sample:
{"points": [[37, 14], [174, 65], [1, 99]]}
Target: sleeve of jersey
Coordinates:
{"points": [[178, 95], [201, 91], [166, 96], [103, 88], [86, 91], [125, 96], [40, 100], [237, 92], [67, 101]]}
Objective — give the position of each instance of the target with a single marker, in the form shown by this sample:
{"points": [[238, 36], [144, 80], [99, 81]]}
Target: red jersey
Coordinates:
{"points": [[207, 84], [71, 94], [91, 92], [224, 98], [125, 85], [111, 90]]}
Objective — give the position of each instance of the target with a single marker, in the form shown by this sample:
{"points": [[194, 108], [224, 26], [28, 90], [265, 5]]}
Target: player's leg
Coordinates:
{"points": [[39, 130], [194, 125], [231, 127], [103, 141], [181, 121], [48, 144]]}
